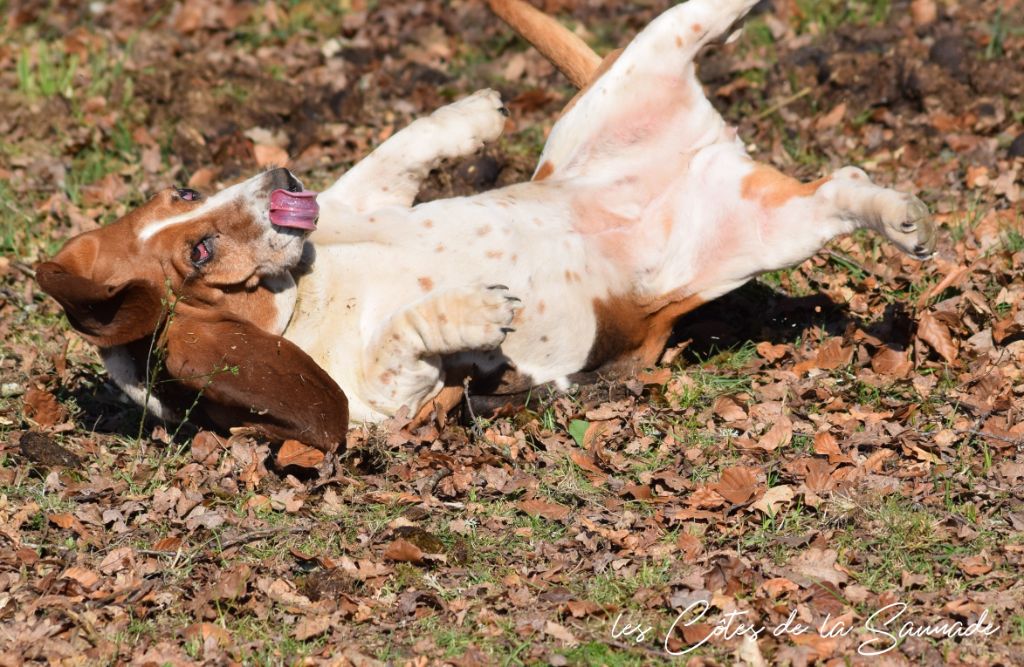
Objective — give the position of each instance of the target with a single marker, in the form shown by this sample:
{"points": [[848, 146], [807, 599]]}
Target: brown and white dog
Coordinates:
{"points": [[644, 206]]}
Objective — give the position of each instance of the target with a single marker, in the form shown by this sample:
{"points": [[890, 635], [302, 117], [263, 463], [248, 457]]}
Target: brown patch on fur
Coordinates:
{"points": [[483, 231], [544, 171], [630, 335], [428, 223], [696, 27], [494, 254], [773, 189], [426, 284], [439, 248]]}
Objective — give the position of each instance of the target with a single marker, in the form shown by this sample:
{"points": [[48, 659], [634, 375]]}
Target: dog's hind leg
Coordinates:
{"points": [[401, 366], [649, 93], [392, 174]]}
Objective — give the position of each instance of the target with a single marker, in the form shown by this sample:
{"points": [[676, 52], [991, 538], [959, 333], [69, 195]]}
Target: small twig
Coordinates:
{"points": [[24, 268], [783, 103]]}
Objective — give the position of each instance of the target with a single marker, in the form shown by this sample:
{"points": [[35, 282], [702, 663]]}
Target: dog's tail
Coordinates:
{"points": [[565, 50]]}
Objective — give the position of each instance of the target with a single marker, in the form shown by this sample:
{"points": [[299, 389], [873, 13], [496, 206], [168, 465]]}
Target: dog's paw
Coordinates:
{"points": [[908, 223], [479, 317], [472, 121]]}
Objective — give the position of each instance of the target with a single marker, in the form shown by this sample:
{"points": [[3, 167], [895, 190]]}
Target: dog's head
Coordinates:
{"points": [[204, 276]]}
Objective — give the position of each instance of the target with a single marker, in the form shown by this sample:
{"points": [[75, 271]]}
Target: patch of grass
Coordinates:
{"points": [[899, 536], [823, 16], [598, 653]]}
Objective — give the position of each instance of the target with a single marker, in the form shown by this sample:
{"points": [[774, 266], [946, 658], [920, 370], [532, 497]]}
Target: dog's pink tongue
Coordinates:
{"points": [[297, 210]]}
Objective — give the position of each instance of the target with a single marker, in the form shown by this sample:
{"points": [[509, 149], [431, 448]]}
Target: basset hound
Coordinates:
{"points": [[289, 311]]}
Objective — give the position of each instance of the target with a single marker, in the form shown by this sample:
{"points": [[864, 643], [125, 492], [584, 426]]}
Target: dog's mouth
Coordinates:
{"points": [[294, 210]]}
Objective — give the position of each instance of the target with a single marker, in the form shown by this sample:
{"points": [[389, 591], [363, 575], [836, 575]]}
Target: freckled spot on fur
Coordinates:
{"points": [[696, 27], [537, 221], [384, 188], [543, 339], [385, 377], [514, 258], [426, 284], [545, 170], [494, 254], [541, 307], [428, 223], [483, 231], [679, 41], [442, 318], [373, 219], [439, 248]]}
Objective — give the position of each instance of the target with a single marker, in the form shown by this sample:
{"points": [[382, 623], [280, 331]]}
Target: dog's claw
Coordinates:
{"points": [[507, 330], [497, 287], [503, 110]]}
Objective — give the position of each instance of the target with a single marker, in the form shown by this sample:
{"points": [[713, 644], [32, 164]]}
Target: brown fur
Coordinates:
{"points": [[773, 189]]}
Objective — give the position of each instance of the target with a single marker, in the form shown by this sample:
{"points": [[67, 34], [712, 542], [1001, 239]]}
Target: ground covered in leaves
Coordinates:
{"points": [[826, 442]]}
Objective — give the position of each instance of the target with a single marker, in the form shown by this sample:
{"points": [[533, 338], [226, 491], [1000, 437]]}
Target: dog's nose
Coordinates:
{"points": [[282, 179]]}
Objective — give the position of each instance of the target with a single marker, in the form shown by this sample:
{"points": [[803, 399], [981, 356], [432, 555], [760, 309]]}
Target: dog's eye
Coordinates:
{"points": [[187, 194], [202, 252]]}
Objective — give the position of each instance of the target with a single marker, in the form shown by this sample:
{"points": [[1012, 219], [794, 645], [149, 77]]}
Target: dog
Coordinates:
{"points": [[275, 308]]}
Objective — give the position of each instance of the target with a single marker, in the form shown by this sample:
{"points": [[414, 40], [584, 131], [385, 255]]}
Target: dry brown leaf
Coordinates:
{"points": [[561, 633], [729, 409], [974, 565], [205, 447], [232, 584], [777, 436], [167, 544], [312, 626], [86, 578], [403, 552], [832, 118], [833, 354], [825, 443], [773, 499], [270, 156], [43, 408], [819, 475], [772, 353], [819, 565], [295, 453], [542, 508], [888, 361], [737, 485], [204, 631], [937, 336]]}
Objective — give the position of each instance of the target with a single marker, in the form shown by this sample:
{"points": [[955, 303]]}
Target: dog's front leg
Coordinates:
{"points": [[402, 364], [392, 174]]}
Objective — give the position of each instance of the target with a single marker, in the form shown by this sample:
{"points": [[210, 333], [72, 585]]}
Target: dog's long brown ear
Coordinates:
{"points": [[248, 377], [105, 315]]}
